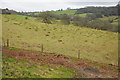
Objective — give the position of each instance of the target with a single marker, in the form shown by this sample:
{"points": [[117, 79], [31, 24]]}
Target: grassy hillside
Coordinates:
{"points": [[96, 45], [35, 64], [24, 69], [84, 14], [110, 18]]}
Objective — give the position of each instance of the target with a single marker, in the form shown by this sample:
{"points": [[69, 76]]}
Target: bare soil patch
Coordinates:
{"points": [[81, 66]]}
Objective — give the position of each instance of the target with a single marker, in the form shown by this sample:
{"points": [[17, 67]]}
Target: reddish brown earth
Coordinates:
{"points": [[84, 68]]}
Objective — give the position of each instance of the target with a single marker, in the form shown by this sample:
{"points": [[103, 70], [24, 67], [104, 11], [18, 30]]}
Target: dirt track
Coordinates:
{"points": [[81, 66]]}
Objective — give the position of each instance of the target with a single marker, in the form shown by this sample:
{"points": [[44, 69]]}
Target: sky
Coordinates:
{"points": [[43, 5]]}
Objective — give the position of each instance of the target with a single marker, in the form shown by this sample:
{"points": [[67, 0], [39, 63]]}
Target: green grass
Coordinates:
{"points": [[96, 45], [20, 68], [84, 14], [13, 48], [116, 22], [109, 18]]}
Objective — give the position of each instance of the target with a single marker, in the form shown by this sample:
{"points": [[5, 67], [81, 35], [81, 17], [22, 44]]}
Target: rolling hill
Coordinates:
{"points": [[30, 34]]}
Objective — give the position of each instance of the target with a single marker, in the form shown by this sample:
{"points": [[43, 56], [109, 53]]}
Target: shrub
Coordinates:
{"points": [[46, 17], [65, 19]]}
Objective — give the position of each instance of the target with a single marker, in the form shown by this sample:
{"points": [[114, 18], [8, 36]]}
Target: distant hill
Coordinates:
{"points": [[106, 11], [7, 11], [70, 12]]}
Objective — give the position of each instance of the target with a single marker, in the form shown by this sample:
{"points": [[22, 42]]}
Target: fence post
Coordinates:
{"points": [[41, 47], [3, 43], [78, 54], [7, 42]]}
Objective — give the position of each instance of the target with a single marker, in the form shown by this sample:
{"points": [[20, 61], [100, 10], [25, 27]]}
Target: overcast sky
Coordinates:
{"points": [[43, 5]]}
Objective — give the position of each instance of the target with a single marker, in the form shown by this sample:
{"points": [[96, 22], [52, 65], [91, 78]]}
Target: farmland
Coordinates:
{"points": [[71, 43], [84, 14], [96, 45]]}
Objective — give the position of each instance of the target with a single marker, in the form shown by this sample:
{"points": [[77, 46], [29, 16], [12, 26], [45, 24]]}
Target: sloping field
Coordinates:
{"points": [[96, 45], [111, 18], [84, 14]]}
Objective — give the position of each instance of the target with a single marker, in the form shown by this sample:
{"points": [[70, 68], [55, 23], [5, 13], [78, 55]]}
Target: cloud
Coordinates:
{"points": [[40, 1], [40, 5], [93, 0], [35, 6], [94, 3]]}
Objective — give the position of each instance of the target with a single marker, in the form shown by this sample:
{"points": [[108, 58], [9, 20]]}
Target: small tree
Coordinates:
{"points": [[98, 15], [26, 18], [79, 21], [100, 24], [7, 9], [115, 28], [65, 19], [68, 8], [91, 16], [46, 17]]}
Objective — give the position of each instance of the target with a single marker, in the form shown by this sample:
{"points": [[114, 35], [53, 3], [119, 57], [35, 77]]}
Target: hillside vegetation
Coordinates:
{"points": [[31, 69], [59, 12], [30, 33], [35, 64], [84, 17], [89, 17], [69, 12], [106, 11]]}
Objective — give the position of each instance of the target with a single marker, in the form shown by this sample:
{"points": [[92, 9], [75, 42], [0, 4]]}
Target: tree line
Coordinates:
{"points": [[100, 11], [88, 21]]}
